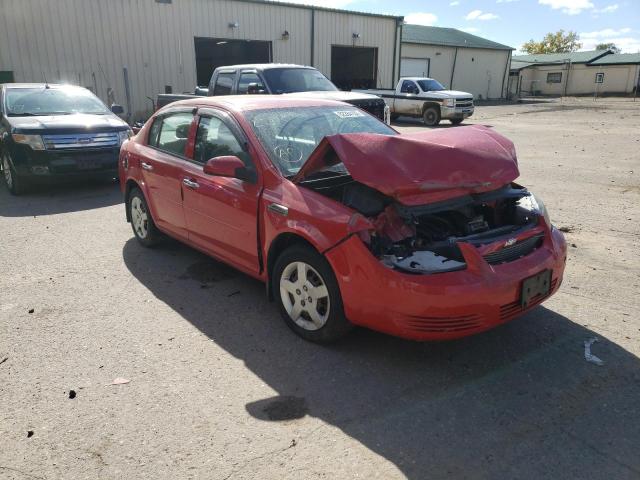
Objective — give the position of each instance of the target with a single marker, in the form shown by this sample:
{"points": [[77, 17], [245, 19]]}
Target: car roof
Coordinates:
{"points": [[240, 103], [263, 66], [39, 85], [415, 79]]}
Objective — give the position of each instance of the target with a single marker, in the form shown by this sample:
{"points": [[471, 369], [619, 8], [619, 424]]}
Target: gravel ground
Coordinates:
{"points": [[220, 388]]}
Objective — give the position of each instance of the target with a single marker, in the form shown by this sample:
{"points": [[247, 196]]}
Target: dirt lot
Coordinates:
{"points": [[220, 388]]}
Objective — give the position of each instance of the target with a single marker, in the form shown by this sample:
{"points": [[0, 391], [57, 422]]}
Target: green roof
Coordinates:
{"points": [[574, 57], [449, 37], [519, 64], [617, 59]]}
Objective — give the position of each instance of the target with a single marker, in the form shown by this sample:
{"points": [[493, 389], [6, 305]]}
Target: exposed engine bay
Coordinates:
{"points": [[423, 239]]}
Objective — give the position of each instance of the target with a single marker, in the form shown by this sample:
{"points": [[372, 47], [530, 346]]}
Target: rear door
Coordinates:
{"points": [[221, 212], [161, 166], [408, 102]]}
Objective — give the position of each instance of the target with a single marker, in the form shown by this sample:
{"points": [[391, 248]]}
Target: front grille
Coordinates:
{"points": [[80, 140], [445, 324], [374, 106], [515, 251], [464, 102], [513, 309]]}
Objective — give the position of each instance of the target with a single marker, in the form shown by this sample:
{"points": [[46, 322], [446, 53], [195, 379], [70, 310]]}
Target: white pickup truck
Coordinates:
{"points": [[426, 98]]}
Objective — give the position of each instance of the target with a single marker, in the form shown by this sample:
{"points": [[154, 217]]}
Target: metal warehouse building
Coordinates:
{"points": [[128, 50], [457, 59]]}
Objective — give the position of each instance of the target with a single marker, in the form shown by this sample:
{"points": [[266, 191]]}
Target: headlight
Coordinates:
{"points": [[536, 205], [34, 141], [124, 135], [449, 102]]}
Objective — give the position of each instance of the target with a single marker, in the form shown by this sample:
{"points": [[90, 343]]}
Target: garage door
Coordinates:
{"points": [[414, 67], [354, 67]]}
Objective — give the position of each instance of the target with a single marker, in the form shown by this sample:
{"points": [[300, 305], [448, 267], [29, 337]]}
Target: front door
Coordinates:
{"points": [[161, 167], [221, 212]]}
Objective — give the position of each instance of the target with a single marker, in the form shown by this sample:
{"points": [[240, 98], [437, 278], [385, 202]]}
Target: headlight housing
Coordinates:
{"points": [[34, 141], [449, 102], [124, 135], [535, 205]]}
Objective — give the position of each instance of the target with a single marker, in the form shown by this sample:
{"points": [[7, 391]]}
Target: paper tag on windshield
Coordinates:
{"points": [[349, 113]]}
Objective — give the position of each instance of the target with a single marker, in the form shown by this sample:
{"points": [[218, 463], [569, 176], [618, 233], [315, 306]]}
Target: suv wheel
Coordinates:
{"points": [[15, 184]]}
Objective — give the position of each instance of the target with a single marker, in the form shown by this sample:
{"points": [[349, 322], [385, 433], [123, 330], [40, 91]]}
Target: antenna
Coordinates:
{"points": [[44, 77]]}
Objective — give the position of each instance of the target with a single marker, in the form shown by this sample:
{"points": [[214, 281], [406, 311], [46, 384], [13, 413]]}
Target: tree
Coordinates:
{"points": [[608, 46], [558, 42]]}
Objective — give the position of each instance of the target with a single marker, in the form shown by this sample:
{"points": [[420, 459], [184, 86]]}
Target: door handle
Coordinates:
{"points": [[146, 166], [190, 183]]}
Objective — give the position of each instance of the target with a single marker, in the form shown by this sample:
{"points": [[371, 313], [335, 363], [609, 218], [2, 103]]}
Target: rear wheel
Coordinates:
{"points": [[15, 184], [394, 117], [142, 224], [456, 121], [431, 116], [308, 295]]}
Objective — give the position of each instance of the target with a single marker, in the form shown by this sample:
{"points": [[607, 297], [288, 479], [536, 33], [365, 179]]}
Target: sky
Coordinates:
{"points": [[513, 22]]}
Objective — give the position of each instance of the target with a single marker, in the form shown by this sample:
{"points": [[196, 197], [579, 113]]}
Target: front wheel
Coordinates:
{"points": [[15, 184], [456, 121], [308, 295], [142, 224], [431, 116]]}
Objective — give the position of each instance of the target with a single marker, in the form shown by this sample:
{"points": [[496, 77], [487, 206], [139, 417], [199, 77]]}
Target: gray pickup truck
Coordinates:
{"points": [[426, 98], [277, 79]]}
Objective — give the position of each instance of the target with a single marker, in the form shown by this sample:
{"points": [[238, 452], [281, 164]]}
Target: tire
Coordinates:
{"points": [[15, 184], [322, 320], [142, 224], [456, 121], [394, 117], [431, 116]]}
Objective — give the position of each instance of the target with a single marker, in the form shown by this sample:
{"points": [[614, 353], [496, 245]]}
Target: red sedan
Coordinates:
{"points": [[424, 236]]}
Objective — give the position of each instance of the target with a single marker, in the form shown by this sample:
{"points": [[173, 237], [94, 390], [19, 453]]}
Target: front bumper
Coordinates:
{"points": [[72, 163], [440, 306], [452, 113]]}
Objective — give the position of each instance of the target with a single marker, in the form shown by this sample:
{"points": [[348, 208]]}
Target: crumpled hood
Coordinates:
{"points": [[421, 168], [335, 95], [63, 123]]}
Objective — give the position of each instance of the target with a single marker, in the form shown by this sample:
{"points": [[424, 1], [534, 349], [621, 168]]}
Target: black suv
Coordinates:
{"points": [[52, 132]]}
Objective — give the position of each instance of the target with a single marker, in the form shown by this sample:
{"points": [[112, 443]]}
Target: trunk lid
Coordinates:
{"points": [[420, 168]]}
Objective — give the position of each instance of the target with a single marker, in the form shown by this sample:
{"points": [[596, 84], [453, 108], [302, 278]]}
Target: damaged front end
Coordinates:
{"points": [[504, 224], [425, 196]]}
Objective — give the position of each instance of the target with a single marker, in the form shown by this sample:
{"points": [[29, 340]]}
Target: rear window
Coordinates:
{"points": [[224, 82]]}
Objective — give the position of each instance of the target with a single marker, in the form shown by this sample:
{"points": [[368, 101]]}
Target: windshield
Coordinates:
{"points": [[289, 135], [430, 85], [289, 80], [52, 101]]}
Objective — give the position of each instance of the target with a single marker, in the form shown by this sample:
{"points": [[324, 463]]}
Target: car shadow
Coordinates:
{"points": [[519, 401], [60, 198], [418, 122]]}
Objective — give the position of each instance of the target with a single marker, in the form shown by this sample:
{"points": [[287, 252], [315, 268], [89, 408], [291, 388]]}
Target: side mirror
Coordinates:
{"points": [[254, 89], [117, 109], [228, 166]]}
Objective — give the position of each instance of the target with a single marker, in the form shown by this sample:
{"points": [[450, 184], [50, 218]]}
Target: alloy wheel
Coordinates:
{"points": [[139, 217], [304, 295]]}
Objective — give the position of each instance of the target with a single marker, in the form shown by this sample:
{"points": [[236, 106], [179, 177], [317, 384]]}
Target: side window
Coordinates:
{"points": [[554, 77], [246, 79], [224, 82], [170, 133], [215, 139], [408, 87]]}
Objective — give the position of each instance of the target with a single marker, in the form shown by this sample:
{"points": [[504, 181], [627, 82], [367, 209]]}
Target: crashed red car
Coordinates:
{"points": [[424, 236]]}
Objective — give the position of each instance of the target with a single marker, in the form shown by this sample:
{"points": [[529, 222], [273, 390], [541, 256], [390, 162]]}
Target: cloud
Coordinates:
{"points": [[607, 9], [506, 1], [478, 15], [570, 7], [619, 37], [420, 18], [453, 4]]}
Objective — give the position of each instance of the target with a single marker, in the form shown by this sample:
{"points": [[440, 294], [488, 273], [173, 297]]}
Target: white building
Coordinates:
{"points": [[596, 72], [128, 50], [457, 59]]}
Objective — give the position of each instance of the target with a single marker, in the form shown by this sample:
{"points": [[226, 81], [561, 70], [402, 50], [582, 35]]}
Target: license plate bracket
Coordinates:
{"points": [[535, 287]]}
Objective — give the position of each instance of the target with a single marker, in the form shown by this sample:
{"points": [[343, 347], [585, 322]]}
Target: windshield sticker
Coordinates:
{"points": [[349, 113]]}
